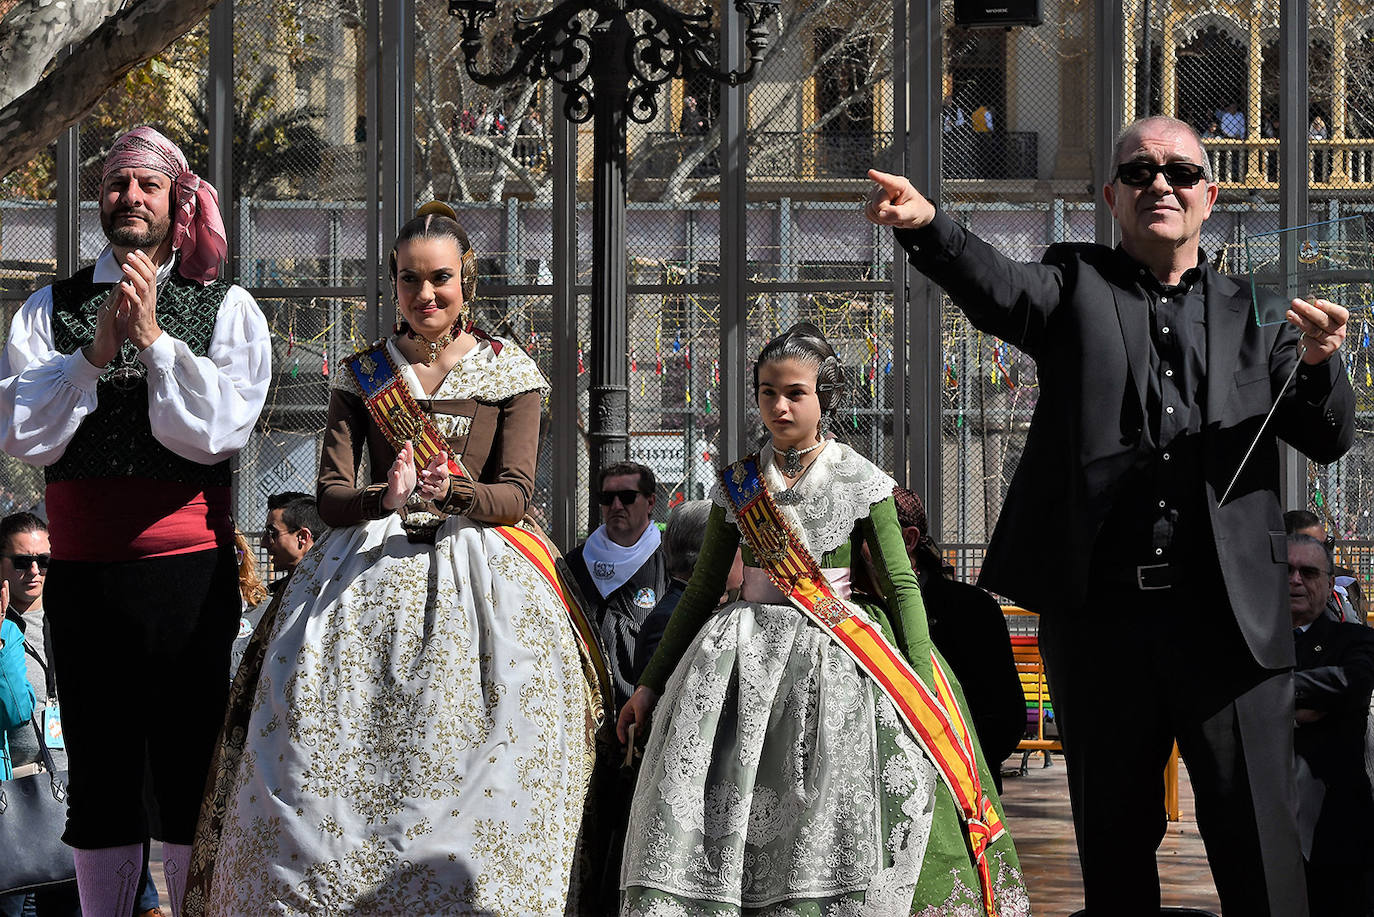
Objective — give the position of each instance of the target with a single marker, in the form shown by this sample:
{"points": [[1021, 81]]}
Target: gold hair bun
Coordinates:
{"points": [[438, 208]]}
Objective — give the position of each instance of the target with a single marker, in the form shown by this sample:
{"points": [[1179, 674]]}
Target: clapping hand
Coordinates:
{"points": [[400, 478], [434, 478], [129, 312], [111, 328], [140, 292]]}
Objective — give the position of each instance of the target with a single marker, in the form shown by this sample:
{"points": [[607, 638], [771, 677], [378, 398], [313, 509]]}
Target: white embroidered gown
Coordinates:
{"points": [[417, 742]]}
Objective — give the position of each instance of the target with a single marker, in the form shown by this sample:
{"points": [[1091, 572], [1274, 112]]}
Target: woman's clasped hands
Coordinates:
{"points": [[402, 478]]}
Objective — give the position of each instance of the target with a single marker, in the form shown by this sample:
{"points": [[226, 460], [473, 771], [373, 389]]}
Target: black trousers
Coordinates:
{"points": [[142, 652], [1131, 673]]}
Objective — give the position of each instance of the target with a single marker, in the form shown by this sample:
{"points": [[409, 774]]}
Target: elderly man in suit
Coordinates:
{"points": [[1154, 380], [1334, 678]]}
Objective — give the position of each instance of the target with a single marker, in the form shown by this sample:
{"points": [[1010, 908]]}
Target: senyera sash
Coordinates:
{"points": [[393, 409], [396, 413], [932, 716]]}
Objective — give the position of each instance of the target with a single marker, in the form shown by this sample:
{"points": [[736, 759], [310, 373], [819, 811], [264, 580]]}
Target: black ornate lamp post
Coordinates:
{"points": [[611, 57]]}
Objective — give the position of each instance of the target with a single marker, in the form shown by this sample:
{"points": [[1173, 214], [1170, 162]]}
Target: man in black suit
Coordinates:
{"points": [[1334, 678], [1163, 612]]}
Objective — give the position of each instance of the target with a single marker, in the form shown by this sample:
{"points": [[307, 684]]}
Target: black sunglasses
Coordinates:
{"points": [[626, 497], [1141, 174], [25, 561]]}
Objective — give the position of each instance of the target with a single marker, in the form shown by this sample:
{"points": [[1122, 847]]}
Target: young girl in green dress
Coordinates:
{"points": [[808, 755]]}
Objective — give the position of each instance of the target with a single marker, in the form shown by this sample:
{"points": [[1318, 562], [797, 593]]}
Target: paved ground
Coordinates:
{"points": [[1037, 808]]}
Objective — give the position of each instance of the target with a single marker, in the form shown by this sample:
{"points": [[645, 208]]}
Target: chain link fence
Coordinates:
{"points": [[1016, 123], [820, 114], [299, 211]]}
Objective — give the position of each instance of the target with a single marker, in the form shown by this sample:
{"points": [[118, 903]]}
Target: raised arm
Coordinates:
{"points": [[1013, 300], [340, 500], [1316, 414]]}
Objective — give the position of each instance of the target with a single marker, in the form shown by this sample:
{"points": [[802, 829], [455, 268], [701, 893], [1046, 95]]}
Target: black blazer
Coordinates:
{"points": [[1335, 675], [1082, 315]]}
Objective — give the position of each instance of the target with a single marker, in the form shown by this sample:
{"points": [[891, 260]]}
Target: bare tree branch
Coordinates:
{"points": [[73, 88], [446, 143]]}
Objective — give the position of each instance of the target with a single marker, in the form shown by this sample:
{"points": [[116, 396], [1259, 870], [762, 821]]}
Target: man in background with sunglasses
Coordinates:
{"points": [[1154, 380], [620, 568], [622, 572], [1345, 601]]}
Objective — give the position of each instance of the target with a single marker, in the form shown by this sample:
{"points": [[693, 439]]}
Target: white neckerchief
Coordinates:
{"points": [[611, 564]]}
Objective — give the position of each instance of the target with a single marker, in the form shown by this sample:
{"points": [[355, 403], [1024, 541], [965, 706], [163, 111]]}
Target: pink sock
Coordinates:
{"points": [[176, 863], [107, 879]]}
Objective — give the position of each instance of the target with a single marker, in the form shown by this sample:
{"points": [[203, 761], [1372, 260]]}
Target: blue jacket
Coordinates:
{"points": [[16, 694]]}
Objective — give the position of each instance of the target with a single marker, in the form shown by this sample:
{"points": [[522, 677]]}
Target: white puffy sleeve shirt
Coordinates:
{"points": [[201, 408]]}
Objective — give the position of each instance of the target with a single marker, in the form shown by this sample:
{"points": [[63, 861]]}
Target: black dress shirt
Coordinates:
{"points": [[1159, 515]]}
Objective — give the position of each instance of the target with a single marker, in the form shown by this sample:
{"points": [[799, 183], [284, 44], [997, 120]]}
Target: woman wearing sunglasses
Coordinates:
{"points": [[1154, 381]]}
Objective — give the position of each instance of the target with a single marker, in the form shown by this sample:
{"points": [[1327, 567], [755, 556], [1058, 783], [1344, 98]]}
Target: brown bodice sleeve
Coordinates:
{"points": [[341, 502], [500, 453], [498, 450]]}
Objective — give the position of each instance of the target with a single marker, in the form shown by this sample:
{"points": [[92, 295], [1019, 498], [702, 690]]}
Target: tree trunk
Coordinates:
{"points": [[142, 30]]}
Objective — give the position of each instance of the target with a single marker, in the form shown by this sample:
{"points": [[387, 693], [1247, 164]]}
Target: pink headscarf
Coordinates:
{"points": [[197, 230]]}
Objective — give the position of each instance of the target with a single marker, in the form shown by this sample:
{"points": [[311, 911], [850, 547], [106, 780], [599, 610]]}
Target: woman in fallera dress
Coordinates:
{"points": [[409, 732], [809, 753]]}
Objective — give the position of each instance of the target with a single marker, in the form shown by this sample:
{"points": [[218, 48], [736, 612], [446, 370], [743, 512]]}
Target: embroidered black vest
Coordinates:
{"points": [[116, 439]]}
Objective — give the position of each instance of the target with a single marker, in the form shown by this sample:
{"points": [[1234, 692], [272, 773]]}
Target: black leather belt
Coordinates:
{"points": [[1150, 577]]}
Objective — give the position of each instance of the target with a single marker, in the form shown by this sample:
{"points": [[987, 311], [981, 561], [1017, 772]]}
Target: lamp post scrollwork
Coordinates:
{"points": [[610, 57]]}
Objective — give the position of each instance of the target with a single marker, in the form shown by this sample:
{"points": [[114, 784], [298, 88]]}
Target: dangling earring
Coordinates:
{"points": [[823, 429], [400, 324]]}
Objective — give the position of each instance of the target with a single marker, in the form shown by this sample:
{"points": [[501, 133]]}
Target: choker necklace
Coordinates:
{"points": [[435, 346], [791, 459]]}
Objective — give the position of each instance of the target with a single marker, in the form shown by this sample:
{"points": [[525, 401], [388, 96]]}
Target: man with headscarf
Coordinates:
{"points": [[132, 384]]}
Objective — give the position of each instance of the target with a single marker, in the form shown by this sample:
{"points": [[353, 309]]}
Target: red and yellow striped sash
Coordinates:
{"points": [[932, 717], [399, 417], [393, 409], [531, 546]]}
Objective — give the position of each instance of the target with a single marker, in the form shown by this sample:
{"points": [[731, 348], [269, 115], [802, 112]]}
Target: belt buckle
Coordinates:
{"points": [[1144, 577]]}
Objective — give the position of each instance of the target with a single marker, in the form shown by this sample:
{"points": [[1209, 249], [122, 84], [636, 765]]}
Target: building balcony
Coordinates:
{"points": [[1332, 165]]}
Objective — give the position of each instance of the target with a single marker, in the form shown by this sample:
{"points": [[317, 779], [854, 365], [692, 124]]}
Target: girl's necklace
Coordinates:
{"points": [[791, 459]]}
